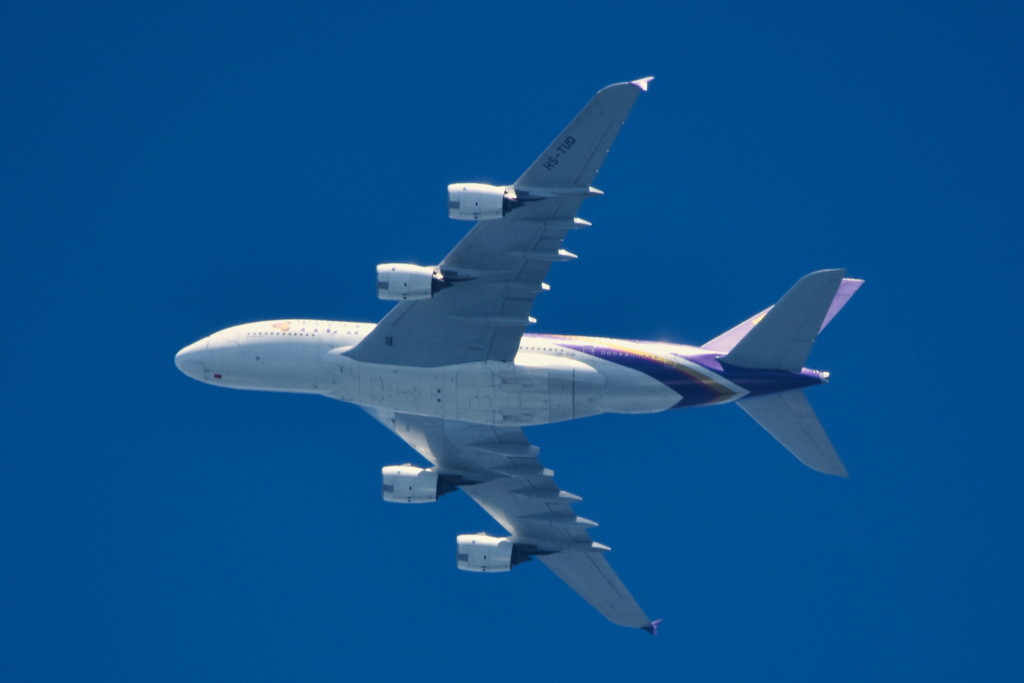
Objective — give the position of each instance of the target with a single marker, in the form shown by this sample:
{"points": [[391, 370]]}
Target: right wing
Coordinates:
{"points": [[497, 269], [500, 471]]}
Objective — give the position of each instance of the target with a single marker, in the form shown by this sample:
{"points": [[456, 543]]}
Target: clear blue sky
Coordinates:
{"points": [[171, 169]]}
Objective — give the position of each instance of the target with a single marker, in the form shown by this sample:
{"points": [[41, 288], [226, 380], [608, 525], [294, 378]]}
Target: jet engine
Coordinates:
{"points": [[483, 553], [408, 484], [402, 281], [479, 202]]}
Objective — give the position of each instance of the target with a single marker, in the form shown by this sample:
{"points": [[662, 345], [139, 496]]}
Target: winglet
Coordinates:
{"points": [[652, 627], [642, 82]]}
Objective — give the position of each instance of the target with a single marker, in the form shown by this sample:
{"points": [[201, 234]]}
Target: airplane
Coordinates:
{"points": [[451, 372]]}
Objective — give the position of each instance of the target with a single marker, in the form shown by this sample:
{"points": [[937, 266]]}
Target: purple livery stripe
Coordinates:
{"points": [[694, 378], [699, 378]]}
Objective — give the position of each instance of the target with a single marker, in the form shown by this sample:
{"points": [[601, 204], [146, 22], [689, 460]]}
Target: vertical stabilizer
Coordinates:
{"points": [[791, 420], [782, 340]]}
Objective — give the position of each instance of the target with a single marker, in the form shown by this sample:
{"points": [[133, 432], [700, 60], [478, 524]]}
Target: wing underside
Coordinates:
{"points": [[495, 272], [506, 479]]}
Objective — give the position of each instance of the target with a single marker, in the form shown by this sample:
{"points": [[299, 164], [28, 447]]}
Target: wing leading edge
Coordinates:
{"points": [[508, 481], [497, 269]]}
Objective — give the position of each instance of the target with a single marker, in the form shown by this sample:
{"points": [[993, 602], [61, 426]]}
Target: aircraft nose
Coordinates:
{"points": [[191, 360]]}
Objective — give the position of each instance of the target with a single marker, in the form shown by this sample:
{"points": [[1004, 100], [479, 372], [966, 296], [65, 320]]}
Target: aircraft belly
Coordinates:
{"points": [[628, 391], [483, 393], [495, 393]]}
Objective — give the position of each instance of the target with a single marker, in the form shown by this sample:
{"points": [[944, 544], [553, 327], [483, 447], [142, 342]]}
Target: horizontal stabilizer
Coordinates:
{"points": [[782, 340], [726, 341], [791, 420]]}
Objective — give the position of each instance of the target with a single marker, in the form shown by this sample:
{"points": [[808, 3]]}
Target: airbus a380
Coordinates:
{"points": [[451, 372]]}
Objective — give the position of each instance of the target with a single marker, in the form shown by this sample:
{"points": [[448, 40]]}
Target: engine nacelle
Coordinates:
{"points": [[483, 553], [402, 281], [408, 484], [479, 202]]}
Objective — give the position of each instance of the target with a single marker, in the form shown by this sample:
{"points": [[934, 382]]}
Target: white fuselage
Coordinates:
{"points": [[548, 382]]}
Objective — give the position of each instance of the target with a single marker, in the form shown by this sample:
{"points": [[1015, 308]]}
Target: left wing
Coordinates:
{"points": [[500, 471], [497, 269]]}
